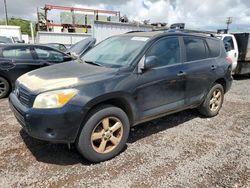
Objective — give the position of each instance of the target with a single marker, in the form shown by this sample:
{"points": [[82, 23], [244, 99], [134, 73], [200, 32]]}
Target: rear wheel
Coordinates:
{"points": [[104, 134], [213, 102], [4, 87]]}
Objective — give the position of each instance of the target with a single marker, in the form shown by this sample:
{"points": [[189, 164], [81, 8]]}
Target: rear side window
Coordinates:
{"points": [[195, 48], [229, 39], [19, 54], [214, 47], [49, 55]]}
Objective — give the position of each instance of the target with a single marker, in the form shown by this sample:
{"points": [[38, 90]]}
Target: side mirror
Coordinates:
{"points": [[147, 63], [228, 46], [150, 62]]}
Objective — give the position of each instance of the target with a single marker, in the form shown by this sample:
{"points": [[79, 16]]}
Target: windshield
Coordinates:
{"points": [[5, 40], [115, 51]]}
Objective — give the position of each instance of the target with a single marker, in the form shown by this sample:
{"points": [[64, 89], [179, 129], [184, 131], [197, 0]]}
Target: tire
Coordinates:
{"points": [[213, 102], [96, 132], [4, 87]]}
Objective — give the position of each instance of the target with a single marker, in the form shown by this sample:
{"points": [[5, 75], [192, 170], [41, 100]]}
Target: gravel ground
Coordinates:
{"points": [[180, 150]]}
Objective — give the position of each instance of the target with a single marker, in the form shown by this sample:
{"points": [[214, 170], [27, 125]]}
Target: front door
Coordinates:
{"points": [[161, 88]]}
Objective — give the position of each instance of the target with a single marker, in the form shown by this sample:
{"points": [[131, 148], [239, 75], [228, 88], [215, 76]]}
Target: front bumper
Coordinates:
{"points": [[54, 125]]}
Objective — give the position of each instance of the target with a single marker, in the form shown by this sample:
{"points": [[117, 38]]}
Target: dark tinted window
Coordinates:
{"points": [[195, 48], [214, 47], [166, 50], [20, 53], [229, 40], [49, 55]]}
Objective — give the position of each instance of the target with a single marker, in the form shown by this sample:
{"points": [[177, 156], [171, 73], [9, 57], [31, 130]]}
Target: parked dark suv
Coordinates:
{"points": [[123, 81]]}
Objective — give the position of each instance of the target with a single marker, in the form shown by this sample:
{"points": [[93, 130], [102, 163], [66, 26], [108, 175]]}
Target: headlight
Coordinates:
{"points": [[54, 99]]}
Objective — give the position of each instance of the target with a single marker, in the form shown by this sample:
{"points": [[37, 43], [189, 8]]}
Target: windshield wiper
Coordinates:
{"points": [[93, 63]]}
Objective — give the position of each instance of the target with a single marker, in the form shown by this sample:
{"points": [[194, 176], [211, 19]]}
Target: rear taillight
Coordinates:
{"points": [[229, 60]]}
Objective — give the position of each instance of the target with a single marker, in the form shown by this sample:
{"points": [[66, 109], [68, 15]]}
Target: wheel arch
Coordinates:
{"points": [[222, 82], [118, 99]]}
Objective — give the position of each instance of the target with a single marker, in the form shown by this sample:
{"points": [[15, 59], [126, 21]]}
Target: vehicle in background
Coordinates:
{"points": [[80, 48], [238, 49], [6, 40], [9, 40], [243, 42], [17, 59], [121, 82], [57, 46], [231, 48]]}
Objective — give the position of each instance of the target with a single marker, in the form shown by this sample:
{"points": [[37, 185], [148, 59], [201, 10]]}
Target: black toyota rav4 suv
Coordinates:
{"points": [[123, 81]]}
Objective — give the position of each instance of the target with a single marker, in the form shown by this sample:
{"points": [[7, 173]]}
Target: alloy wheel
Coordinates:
{"points": [[216, 100], [107, 134]]}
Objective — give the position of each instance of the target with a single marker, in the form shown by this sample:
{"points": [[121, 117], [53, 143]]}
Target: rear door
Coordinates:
{"points": [[200, 69], [18, 61]]}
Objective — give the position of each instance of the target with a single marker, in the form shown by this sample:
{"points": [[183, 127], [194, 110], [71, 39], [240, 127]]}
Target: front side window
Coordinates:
{"points": [[195, 48], [20, 53], [167, 51], [116, 51], [49, 55]]}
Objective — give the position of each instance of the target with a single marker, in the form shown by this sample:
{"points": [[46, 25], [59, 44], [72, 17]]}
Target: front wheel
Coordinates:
{"points": [[213, 102], [104, 134]]}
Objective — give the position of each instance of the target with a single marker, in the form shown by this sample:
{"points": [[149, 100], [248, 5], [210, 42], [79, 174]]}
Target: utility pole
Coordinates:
{"points": [[6, 14], [229, 21]]}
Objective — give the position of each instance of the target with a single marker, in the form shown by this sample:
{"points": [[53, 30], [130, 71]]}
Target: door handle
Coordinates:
{"points": [[235, 54], [181, 73], [213, 67]]}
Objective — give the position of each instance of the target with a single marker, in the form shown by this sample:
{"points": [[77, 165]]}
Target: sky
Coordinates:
{"points": [[197, 14]]}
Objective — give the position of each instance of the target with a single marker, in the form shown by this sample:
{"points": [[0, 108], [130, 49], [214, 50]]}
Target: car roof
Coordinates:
{"points": [[21, 44], [144, 33]]}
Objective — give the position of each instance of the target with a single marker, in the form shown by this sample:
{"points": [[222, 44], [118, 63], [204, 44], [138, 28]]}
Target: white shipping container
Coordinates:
{"points": [[100, 31], [64, 38], [11, 31], [103, 30]]}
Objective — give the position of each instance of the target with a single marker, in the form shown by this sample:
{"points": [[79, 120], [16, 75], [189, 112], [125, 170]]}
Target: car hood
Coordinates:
{"points": [[64, 75]]}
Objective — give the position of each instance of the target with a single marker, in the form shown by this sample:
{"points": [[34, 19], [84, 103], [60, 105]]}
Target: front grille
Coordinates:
{"points": [[23, 96], [18, 115]]}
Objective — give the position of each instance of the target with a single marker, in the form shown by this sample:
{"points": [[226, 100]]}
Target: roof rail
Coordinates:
{"points": [[134, 31], [211, 33]]}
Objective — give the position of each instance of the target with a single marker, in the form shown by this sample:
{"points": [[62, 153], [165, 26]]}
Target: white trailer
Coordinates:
{"points": [[100, 30], [10, 31]]}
